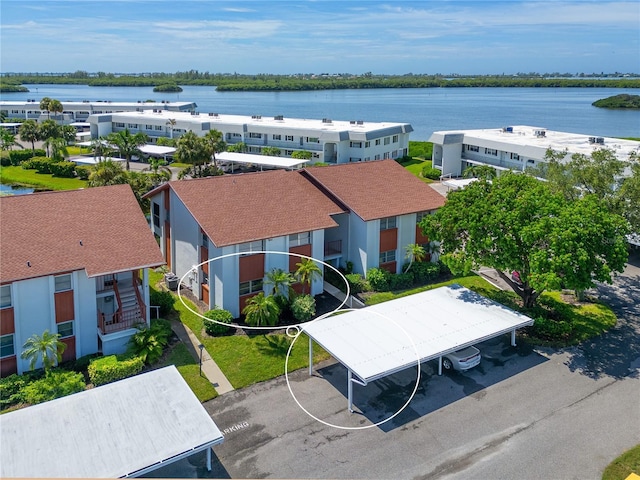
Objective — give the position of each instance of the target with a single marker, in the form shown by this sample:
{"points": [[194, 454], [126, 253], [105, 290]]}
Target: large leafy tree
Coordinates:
{"points": [[107, 172], [127, 144], [516, 223], [214, 143], [261, 310], [29, 133], [194, 150], [46, 347]]}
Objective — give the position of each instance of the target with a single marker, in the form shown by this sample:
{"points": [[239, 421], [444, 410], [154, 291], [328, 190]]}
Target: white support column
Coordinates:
{"points": [[310, 356], [440, 365], [209, 450], [350, 390], [513, 337]]}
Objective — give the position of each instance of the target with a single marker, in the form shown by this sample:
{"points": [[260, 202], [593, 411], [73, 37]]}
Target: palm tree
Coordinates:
{"points": [[127, 144], [100, 148], [261, 310], [8, 140], [485, 172], [191, 149], [160, 173], [280, 281], [271, 151], [58, 148], [171, 123], [414, 252], [55, 106], [239, 147], [44, 105], [107, 172], [29, 133], [307, 272], [47, 347], [48, 130], [214, 143]]}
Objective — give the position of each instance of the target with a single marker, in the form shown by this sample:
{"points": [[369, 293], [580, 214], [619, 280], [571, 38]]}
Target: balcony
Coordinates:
{"points": [[333, 249]]}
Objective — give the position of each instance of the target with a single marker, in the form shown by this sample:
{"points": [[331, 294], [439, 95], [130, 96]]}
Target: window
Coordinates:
{"points": [[367, 144], [355, 159], [156, 214], [473, 148], [5, 296], [531, 161], [276, 137], [421, 215], [119, 125], [132, 125], [355, 144], [204, 239], [252, 286], [158, 127], [288, 153], [149, 127], [6, 346], [491, 151], [312, 140], [377, 141], [389, 256], [515, 156], [376, 157], [298, 239], [387, 223], [395, 139], [394, 154], [251, 247], [387, 140], [65, 329], [288, 138], [63, 282], [255, 135]]}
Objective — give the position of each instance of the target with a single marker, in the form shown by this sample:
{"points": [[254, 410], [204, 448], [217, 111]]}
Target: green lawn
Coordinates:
{"points": [[624, 465], [189, 368], [19, 176], [415, 166]]}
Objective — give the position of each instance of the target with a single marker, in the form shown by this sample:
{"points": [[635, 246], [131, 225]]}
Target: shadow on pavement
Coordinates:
{"points": [[194, 466], [382, 398]]}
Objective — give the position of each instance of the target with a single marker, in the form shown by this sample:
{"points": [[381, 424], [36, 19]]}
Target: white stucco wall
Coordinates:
{"points": [[317, 251], [85, 326], [406, 236], [364, 248], [185, 238], [452, 159]]}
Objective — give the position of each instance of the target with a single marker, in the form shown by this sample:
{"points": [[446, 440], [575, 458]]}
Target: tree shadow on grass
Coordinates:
{"points": [[273, 345]]}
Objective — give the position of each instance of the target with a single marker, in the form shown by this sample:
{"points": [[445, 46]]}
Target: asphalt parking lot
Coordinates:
{"points": [[522, 413]]}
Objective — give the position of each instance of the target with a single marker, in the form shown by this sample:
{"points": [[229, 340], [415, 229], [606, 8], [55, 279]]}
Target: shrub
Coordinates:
{"points": [[219, 315], [303, 307], [378, 279], [16, 157], [400, 281], [162, 299], [444, 269], [83, 172], [54, 384], [11, 390], [430, 172], [40, 164], [149, 343], [5, 161], [551, 329], [357, 284], [63, 169], [425, 272], [109, 369]]}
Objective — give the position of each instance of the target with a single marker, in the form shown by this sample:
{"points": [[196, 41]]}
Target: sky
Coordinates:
{"points": [[320, 36]]}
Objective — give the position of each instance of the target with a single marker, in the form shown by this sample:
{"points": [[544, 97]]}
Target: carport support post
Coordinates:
{"points": [[513, 337], [310, 356], [209, 458], [350, 389], [440, 365]]}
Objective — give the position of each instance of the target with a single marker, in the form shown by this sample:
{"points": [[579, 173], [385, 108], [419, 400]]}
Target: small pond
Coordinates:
{"points": [[14, 189]]}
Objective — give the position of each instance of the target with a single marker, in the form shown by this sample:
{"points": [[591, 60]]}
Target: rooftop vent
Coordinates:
{"points": [[592, 139], [278, 117], [326, 120], [213, 114], [600, 140], [360, 122], [352, 122], [540, 133], [256, 117], [507, 129]]}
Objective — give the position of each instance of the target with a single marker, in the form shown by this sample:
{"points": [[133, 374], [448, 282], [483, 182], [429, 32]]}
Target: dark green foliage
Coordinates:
{"points": [[357, 284], [549, 329], [421, 149], [303, 308], [430, 172], [83, 172], [149, 343], [5, 161], [424, 272], [111, 368], [63, 169], [11, 390], [218, 315], [619, 101], [39, 164], [16, 157], [162, 299], [167, 87], [378, 279], [400, 281], [54, 384]]}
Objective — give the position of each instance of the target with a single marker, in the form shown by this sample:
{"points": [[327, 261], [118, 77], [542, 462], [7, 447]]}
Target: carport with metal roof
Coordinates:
{"points": [[124, 429], [389, 337]]}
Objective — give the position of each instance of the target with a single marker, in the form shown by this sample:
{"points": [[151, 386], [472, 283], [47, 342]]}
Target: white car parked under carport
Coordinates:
{"points": [[461, 359]]}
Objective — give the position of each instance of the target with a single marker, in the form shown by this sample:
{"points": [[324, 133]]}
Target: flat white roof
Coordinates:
{"points": [[458, 183], [110, 431], [263, 160], [524, 138], [157, 150], [377, 341]]}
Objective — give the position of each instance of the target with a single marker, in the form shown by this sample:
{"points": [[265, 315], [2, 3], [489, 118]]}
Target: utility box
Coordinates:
{"points": [[171, 280]]}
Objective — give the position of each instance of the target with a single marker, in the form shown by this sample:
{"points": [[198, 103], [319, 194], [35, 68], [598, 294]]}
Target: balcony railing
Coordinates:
{"points": [[110, 323], [333, 247]]}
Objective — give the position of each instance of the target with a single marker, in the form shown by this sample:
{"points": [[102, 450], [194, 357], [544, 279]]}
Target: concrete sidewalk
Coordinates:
{"points": [[209, 368]]}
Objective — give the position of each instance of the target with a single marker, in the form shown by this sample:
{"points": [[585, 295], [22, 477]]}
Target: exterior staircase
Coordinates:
{"points": [[129, 301]]}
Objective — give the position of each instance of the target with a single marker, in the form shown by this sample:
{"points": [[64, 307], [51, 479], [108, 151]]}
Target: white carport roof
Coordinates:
{"points": [[262, 160], [125, 428], [157, 150], [377, 341]]}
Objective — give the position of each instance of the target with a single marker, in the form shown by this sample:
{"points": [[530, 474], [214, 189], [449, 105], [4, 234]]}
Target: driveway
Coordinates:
{"points": [[538, 414]]}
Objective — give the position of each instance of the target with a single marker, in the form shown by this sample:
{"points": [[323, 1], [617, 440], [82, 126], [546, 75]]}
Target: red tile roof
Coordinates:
{"points": [[100, 230], [239, 208], [377, 189]]}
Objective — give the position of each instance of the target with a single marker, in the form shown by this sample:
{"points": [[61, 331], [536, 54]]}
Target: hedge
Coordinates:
{"points": [[39, 164], [63, 169], [219, 315], [16, 157], [303, 308], [162, 299], [109, 369], [55, 384]]}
